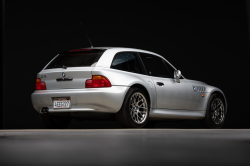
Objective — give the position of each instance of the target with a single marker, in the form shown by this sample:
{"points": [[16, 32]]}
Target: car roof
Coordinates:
{"points": [[118, 49], [122, 49]]}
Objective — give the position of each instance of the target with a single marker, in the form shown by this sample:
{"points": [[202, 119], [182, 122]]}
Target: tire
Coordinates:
{"points": [[215, 113], [54, 122], [135, 109]]}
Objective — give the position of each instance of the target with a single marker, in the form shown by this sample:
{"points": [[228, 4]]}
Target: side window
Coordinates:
{"points": [[126, 61], [155, 66], [170, 69]]}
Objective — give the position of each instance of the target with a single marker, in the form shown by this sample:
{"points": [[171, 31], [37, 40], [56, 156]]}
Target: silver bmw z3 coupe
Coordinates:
{"points": [[133, 86]]}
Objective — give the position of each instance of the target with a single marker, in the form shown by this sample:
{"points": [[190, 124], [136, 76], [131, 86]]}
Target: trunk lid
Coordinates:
{"points": [[74, 78], [70, 70]]}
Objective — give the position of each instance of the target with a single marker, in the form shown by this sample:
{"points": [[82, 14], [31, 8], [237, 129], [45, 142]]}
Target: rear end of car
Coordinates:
{"points": [[67, 84]]}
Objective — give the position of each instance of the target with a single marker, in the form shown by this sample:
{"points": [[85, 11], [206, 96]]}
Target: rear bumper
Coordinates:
{"points": [[108, 100]]}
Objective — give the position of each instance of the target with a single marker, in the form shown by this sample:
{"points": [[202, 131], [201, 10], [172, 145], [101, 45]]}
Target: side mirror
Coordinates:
{"points": [[177, 76]]}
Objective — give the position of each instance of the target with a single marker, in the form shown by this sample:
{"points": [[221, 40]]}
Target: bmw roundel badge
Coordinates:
{"points": [[63, 74]]}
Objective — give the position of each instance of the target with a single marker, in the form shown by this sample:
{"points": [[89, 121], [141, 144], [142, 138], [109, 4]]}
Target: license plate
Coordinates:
{"points": [[61, 102]]}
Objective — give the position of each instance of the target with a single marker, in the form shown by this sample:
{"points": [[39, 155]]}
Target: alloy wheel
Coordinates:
{"points": [[138, 108], [217, 111]]}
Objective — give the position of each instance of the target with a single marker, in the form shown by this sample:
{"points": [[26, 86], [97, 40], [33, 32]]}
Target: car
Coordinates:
{"points": [[136, 87]]}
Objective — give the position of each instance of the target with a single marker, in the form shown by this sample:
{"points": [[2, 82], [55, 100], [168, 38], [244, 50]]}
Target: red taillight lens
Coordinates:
{"points": [[40, 85], [88, 84], [97, 82]]}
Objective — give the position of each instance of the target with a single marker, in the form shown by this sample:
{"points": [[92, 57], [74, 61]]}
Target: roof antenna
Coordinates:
{"points": [[86, 35]]}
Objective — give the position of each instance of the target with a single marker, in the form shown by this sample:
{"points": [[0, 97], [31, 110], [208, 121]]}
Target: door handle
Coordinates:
{"points": [[159, 83]]}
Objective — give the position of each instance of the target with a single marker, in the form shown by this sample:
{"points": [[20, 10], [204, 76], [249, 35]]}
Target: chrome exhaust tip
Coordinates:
{"points": [[44, 110]]}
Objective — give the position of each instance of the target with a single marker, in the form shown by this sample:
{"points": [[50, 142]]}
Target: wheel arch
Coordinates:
{"points": [[144, 89]]}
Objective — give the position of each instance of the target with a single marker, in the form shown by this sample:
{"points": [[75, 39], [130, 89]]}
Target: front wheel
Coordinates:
{"points": [[134, 111], [215, 113]]}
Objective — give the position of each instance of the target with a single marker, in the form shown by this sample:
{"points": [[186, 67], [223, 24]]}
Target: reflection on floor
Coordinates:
{"points": [[125, 147]]}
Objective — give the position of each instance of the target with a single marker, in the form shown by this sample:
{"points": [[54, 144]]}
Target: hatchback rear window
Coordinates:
{"points": [[76, 59]]}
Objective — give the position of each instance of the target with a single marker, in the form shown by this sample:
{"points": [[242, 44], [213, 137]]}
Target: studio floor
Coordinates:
{"points": [[125, 147]]}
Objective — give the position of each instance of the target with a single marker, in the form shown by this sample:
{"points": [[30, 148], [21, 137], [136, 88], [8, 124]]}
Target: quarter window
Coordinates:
{"points": [[126, 61], [155, 66]]}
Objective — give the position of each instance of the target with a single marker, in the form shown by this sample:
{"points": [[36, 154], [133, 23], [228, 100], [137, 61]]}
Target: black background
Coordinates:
{"points": [[207, 40]]}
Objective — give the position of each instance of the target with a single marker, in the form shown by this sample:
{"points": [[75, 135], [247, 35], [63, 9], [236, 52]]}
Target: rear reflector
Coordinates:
{"points": [[38, 80], [80, 50], [40, 85], [97, 82]]}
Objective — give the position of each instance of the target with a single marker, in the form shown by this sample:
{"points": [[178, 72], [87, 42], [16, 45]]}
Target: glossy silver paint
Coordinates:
{"points": [[82, 100], [171, 100], [79, 75]]}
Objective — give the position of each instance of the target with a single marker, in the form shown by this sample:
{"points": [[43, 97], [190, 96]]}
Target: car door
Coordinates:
{"points": [[185, 95], [170, 94]]}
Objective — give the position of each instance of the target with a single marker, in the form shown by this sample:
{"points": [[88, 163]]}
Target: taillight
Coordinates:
{"points": [[40, 85], [97, 82]]}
